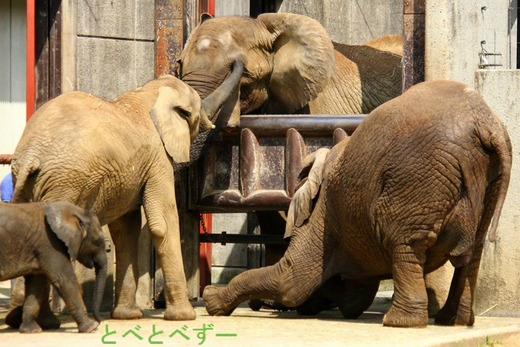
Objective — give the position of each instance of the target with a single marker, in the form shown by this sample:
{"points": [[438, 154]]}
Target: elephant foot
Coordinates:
{"points": [[125, 312], [448, 317], [396, 317], [88, 326], [30, 328], [180, 312], [14, 317], [214, 303]]}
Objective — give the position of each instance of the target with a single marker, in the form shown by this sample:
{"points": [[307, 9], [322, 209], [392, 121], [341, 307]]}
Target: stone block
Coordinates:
{"points": [[352, 21], [116, 19], [109, 67], [232, 255]]}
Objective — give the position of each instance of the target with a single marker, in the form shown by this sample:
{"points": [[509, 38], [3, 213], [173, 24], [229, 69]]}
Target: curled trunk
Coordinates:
{"points": [[216, 99]]}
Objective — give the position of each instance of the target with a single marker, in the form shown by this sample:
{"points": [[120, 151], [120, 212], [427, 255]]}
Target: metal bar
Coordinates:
{"points": [[169, 35], [5, 159], [249, 162], [413, 42], [30, 73], [224, 238], [315, 125]]}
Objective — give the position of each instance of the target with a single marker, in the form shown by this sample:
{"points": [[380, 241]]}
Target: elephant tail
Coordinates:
{"points": [[20, 176], [497, 139]]}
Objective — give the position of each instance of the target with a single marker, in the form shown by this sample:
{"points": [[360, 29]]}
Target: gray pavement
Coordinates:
{"points": [[266, 328]]}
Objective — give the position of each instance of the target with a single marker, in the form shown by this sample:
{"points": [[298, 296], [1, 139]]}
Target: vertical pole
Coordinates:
{"points": [[30, 81], [205, 254], [413, 42]]}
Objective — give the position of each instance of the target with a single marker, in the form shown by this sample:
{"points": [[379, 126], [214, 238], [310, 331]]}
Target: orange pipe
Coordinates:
{"points": [[205, 259], [30, 62]]}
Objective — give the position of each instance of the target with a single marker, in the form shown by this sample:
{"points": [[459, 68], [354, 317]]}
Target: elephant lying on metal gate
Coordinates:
{"points": [[419, 183]]}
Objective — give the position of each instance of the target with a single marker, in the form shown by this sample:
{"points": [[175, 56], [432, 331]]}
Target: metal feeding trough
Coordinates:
{"points": [[256, 167]]}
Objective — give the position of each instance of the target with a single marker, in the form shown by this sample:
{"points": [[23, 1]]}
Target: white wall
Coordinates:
{"points": [[12, 76], [454, 31]]}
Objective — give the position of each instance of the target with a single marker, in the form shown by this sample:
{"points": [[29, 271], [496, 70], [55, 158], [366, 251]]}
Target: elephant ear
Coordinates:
{"points": [[303, 59], [176, 115], [67, 221], [301, 205]]}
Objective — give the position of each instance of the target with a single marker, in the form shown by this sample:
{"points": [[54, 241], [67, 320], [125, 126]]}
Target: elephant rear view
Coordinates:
{"points": [[419, 183]]}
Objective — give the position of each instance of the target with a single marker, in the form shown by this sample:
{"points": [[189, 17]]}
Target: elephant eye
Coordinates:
{"points": [[184, 113]]}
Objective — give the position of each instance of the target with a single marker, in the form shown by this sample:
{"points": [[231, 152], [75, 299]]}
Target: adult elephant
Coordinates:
{"points": [[114, 157], [418, 183], [290, 65]]}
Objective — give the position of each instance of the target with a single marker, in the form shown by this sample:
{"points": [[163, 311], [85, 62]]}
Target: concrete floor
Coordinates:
{"points": [[266, 328]]}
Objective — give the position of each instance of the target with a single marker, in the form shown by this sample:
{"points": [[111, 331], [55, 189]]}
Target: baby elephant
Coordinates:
{"points": [[39, 241]]}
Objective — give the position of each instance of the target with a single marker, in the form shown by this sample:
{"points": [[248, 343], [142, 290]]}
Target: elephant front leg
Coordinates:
{"points": [[125, 234], [35, 287], [410, 304]]}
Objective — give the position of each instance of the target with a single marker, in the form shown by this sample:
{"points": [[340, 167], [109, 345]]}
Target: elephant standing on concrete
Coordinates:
{"points": [[290, 66], [419, 182], [112, 158], [39, 241]]}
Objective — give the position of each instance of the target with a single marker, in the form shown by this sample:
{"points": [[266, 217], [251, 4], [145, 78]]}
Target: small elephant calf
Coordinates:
{"points": [[39, 241]]}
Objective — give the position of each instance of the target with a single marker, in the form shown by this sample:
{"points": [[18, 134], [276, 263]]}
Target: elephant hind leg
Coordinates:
{"points": [[125, 234], [458, 309]]}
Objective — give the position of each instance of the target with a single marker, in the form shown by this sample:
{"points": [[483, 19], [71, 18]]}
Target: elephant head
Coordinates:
{"points": [[315, 168], [288, 59], [81, 233]]}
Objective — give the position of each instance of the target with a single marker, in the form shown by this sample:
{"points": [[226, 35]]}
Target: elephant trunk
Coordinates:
{"points": [[212, 103], [100, 265]]}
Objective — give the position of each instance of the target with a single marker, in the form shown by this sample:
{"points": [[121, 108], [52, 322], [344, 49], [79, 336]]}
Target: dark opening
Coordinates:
{"points": [[517, 38], [257, 7]]}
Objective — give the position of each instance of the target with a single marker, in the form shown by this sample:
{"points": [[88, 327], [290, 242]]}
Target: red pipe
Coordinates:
{"points": [[30, 63], [205, 259]]}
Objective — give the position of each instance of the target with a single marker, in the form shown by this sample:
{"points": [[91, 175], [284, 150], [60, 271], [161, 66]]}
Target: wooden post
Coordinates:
{"points": [[413, 42]]}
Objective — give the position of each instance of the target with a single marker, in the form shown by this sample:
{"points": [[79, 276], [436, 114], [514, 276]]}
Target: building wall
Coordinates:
{"points": [[12, 76], [108, 49], [454, 32], [352, 21]]}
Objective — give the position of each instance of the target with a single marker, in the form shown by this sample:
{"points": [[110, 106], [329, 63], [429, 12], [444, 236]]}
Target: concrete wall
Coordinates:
{"points": [[352, 21], [12, 76], [108, 49], [454, 31], [108, 45], [498, 290]]}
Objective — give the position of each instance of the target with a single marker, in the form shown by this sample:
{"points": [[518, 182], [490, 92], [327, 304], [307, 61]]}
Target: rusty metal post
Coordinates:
{"points": [[169, 42], [413, 42], [169, 34]]}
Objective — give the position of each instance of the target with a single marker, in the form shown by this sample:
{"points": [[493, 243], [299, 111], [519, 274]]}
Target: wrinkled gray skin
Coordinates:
{"points": [[114, 157], [418, 183], [39, 241], [290, 66]]}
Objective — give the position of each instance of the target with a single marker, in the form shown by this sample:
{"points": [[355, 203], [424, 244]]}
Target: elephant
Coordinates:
{"points": [[290, 66], [39, 241], [420, 182], [114, 157]]}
